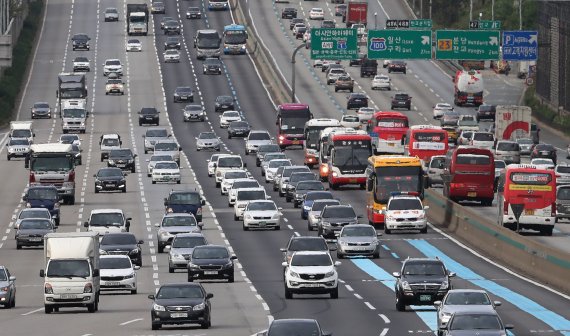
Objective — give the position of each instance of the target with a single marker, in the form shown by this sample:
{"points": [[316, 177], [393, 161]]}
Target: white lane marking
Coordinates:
{"points": [[385, 318], [348, 288], [369, 305], [131, 321], [384, 332], [358, 296], [33, 311]]}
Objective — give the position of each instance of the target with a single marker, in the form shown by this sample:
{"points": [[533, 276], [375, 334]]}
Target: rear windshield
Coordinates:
{"points": [[508, 146], [483, 137], [288, 172], [470, 159], [341, 212]]}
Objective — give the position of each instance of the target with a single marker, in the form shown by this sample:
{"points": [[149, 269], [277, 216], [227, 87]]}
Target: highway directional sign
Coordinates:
{"points": [[467, 45], [485, 24], [334, 43], [413, 24], [421, 24], [520, 45], [399, 44]]}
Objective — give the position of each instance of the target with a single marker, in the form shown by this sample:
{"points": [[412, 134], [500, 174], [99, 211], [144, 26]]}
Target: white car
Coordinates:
{"points": [[297, 27], [350, 121], [114, 86], [405, 211], [107, 221], [113, 65], [72, 139], [227, 117], [154, 159], [255, 139], [365, 114], [17, 148], [483, 140], [81, 63], [34, 213], [381, 82], [118, 273], [360, 28], [240, 184], [165, 171], [134, 45], [243, 196], [318, 63], [212, 163], [270, 168], [228, 162], [261, 214], [386, 63], [171, 56], [307, 35], [228, 178], [543, 163], [311, 272], [314, 213], [440, 108], [316, 13]]}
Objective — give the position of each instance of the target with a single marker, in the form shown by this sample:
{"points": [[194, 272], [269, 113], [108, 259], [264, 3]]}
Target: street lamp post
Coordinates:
{"points": [[375, 20], [471, 10], [293, 99], [520, 14], [493, 10]]}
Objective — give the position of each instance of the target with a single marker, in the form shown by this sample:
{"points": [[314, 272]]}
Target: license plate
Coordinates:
{"points": [[148, 118], [311, 285], [121, 165], [68, 296], [112, 283], [425, 297], [210, 272], [352, 181], [109, 185], [296, 142], [472, 194], [178, 315], [262, 223], [36, 239], [529, 212], [390, 145]]}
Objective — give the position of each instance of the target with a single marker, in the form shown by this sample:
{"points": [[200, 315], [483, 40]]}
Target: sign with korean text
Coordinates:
{"points": [[334, 43], [399, 44], [475, 45], [485, 24], [520, 45], [412, 24]]}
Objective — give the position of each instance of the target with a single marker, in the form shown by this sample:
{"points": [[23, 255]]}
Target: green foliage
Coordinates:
{"points": [[13, 77], [544, 113]]}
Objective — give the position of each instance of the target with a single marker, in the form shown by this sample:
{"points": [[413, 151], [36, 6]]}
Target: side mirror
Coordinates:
{"points": [[179, 148], [86, 224], [157, 224], [42, 273], [337, 263], [167, 248], [497, 303], [201, 225], [24, 198], [426, 207], [96, 273], [283, 249], [94, 175], [12, 278], [151, 296], [268, 197], [326, 333], [244, 164], [233, 257], [284, 264], [209, 296], [509, 326], [359, 216], [279, 208], [437, 303], [128, 224], [140, 242], [451, 274], [396, 274], [136, 267], [203, 202]]}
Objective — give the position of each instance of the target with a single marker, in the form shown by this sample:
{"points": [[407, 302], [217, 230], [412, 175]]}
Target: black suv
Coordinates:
{"points": [[149, 115], [397, 66], [421, 282], [334, 218], [185, 201], [172, 42], [356, 100], [122, 243], [212, 65], [289, 13], [80, 41], [402, 100], [110, 179], [171, 26], [486, 111], [122, 158], [304, 243], [211, 262]]}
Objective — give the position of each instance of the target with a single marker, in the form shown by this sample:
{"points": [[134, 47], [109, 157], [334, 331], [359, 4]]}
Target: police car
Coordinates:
{"points": [[405, 211]]}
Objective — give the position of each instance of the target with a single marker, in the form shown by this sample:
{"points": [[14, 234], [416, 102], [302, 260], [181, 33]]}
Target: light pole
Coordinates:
{"points": [[375, 20], [293, 72], [471, 10], [430, 8], [492, 10], [520, 14]]}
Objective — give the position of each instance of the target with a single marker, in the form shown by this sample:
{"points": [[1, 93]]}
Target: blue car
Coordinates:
{"points": [[310, 198], [44, 197], [179, 201]]}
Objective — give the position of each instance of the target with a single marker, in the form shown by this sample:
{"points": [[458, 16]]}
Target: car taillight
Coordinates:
{"points": [[506, 208], [553, 209], [32, 177], [72, 176]]}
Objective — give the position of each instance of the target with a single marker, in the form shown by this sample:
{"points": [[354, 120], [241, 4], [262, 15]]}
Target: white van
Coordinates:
{"points": [[22, 130], [107, 221], [483, 140], [508, 151], [435, 169]]}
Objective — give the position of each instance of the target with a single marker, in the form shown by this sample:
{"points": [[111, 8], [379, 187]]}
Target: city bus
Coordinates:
{"points": [[322, 150], [235, 38], [469, 175], [313, 130], [535, 189], [348, 154], [218, 5], [387, 174], [387, 130], [291, 119], [425, 141]]}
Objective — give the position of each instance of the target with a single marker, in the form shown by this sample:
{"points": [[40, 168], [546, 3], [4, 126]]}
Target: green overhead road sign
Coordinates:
{"points": [[475, 45], [421, 24], [334, 43], [485, 24], [399, 44], [412, 24]]}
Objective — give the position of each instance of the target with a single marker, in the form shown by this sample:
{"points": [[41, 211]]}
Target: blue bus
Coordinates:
{"points": [[235, 37]]}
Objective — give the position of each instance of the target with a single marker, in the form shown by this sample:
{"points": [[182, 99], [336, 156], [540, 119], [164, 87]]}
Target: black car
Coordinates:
{"points": [[171, 27], [238, 128], [334, 217], [31, 232], [183, 93], [543, 151], [185, 303], [172, 42], [476, 322], [421, 282], [80, 41], [211, 262], [289, 13], [295, 327], [122, 243], [110, 179], [402, 100], [122, 158], [302, 188], [47, 197], [328, 24], [193, 13], [356, 100], [149, 115], [224, 103], [212, 65], [304, 243], [185, 201], [357, 61], [300, 32], [397, 66], [264, 149], [294, 21], [297, 177], [486, 111]]}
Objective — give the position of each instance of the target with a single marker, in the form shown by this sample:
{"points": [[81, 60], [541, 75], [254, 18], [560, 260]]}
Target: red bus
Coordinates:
{"points": [[387, 130], [313, 130], [348, 154], [425, 141], [291, 119], [532, 187], [469, 175]]}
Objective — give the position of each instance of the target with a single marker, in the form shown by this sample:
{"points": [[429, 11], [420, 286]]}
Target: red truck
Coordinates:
{"points": [[356, 12]]}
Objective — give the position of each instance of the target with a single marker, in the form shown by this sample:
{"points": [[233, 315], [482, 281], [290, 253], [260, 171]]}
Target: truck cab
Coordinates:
{"points": [[74, 116], [22, 130], [108, 221]]}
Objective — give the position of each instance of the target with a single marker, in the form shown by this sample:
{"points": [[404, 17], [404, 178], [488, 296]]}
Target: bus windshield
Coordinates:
{"points": [[390, 179], [235, 36]]}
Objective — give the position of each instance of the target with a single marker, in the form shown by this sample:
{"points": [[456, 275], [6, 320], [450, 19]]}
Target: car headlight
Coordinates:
{"points": [[177, 256], [164, 233], [306, 208], [134, 251], [445, 317], [56, 205], [102, 252], [169, 210], [229, 264], [275, 216], [111, 162], [248, 216], [199, 306], [130, 276], [294, 274], [158, 307], [329, 274], [343, 243], [191, 265], [444, 285], [325, 224], [406, 285]]}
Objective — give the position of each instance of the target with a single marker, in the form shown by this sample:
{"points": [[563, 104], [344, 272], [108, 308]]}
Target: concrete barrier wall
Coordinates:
{"points": [[542, 263]]}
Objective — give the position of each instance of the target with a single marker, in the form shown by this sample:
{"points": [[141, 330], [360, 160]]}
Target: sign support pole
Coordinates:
{"points": [[293, 99]]}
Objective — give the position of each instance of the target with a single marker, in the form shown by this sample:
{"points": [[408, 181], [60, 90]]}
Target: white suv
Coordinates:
{"points": [[256, 139], [405, 211], [243, 196], [320, 277], [113, 65]]}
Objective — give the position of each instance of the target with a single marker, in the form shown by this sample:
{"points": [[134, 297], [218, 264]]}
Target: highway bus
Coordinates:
{"points": [[387, 174], [313, 130], [425, 141], [291, 119], [348, 154], [218, 5], [322, 150], [532, 187], [387, 130], [235, 38], [469, 175]]}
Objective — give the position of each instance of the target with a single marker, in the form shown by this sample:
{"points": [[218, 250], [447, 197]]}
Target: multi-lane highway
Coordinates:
{"points": [[366, 298]]}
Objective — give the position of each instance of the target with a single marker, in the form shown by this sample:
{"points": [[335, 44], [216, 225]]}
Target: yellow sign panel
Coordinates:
{"points": [[522, 187], [444, 44]]}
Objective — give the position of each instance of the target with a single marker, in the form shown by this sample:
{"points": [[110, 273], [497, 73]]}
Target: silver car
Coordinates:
{"points": [[256, 139], [435, 170], [460, 300], [171, 56], [33, 213], [173, 224], [8, 286], [154, 135], [180, 250], [111, 14], [314, 214], [562, 173], [358, 240], [525, 145], [208, 140], [271, 168], [41, 110], [168, 147]]}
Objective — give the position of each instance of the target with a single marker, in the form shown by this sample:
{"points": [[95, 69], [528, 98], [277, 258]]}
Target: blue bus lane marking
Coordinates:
{"points": [[554, 320]]}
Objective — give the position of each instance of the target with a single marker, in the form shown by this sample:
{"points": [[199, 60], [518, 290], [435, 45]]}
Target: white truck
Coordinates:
{"points": [[22, 130], [74, 116], [512, 122], [71, 274]]}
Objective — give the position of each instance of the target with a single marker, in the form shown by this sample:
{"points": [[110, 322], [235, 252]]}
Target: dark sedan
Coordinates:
{"points": [[224, 103], [171, 27], [356, 101], [543, 151], [110, 179], [211, 262], [238, 129], [186, 303], [122, 243], [183, 93], [289, 13], [122, 158], [31, 232], [41, 110], [172, 42], [295, 327], [476, 322], [193, 13], [397, 66]]}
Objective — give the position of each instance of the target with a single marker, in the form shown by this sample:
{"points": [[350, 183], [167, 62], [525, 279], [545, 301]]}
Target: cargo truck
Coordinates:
{"points": [[137, 19], [356, 12], [71, 86], [71, 273], [512, 122], [22, 130], [73, 116], [468, 86]]}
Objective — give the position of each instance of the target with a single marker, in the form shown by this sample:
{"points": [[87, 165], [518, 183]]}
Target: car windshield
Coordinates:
{"points": [[261, 206], [166, 146], [310, 244], [19, 142], [115, 263], [157, 133], [207, 135], [41, 105], [429, 268], [114, 81], [311, 260], [483, 137], [294, 328], [210, 253], [174, 39], [563, 193], [563, 169], [118, 239], [180, 292], [224, 99], [109, 173], [188, 242], [339, 212], [279, 163], [350, 118], [184, 198], [250, 195], [104, 219], [467, 298], [272, 156], [212, 61], [235, 175], [32, 213], [35, 224], [437, 163], [112, 62], [358, 231], [80, 59], [475, 322], [230, 115], [245, 184], [318, 195], [318, 206], [155, 158], [467, 122], [302, 177], [405, 204], [134, 41], [193, 9], [166, 165], [111, 142], [172, 52], [66, 268], [289, 172], [179, 221], [544, 147], [230, 162], [310, 185], [508, 146], [3, 276], [43, 193], [238, 124], [68, 138]]}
